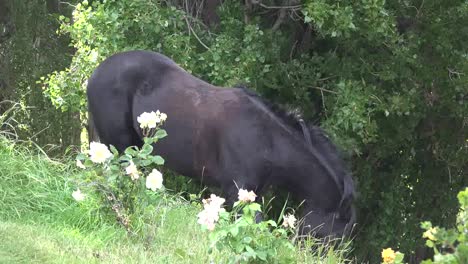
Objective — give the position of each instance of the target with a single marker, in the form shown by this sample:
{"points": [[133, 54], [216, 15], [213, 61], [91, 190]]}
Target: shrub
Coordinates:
{"points": [[387, 79], [239, 233], [122, 180], [450, 245]]}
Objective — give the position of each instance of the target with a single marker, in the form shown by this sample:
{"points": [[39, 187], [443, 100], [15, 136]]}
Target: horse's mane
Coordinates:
{"points": [[290, 117], [319, 139], [332, 154]]}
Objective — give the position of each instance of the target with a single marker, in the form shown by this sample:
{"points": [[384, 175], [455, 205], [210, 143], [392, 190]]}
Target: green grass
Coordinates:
{"points": [[41, 223]]}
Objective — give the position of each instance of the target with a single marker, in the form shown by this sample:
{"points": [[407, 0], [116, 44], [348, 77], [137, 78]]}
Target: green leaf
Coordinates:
{"points": [[255, 207], [263, 255], [221, 234], [181, 253], [148, 141], [81, 156], [114, 151], [399, 257], [426, 225], [331, 258], [247, 240], [158, 160], [250, 250], [427, 261], [161, 133], [145, 162], [131, 151], [125, 158], [146, 150], [234, 231], [88, 163], [114, 168], [429, 243], [272, 223], [239, 248], [112, 178]]}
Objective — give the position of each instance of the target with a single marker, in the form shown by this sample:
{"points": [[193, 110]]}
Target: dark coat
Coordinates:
{"points": [[228, 137]]}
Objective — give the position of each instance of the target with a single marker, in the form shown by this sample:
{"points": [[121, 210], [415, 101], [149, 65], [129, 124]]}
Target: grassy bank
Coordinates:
{"points": [[41, 223]]}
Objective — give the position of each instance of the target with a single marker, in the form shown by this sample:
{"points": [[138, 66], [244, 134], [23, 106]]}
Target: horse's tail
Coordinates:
{"points": [[92, 132]]}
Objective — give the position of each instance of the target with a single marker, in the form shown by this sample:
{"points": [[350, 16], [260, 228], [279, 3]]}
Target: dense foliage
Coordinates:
{"points": [[387, 79], [45, 218], [450, 246], [29, 49]]}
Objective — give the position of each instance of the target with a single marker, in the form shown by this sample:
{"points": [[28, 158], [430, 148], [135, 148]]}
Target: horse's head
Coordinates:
{"points": [[332, 214], [309, 166], [321, 224], [325, 225]]}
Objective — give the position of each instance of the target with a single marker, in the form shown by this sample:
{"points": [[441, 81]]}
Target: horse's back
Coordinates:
{"points": [[130, 67]]}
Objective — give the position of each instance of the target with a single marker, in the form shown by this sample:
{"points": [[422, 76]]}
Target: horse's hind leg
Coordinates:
{"points": [[114, 126], [125, 137]]}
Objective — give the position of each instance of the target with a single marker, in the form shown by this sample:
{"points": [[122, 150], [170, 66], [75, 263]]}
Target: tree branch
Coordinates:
{"points": [[195, 34], [279, 20], [295, 7]]}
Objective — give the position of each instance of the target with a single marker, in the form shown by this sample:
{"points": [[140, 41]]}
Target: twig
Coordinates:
{"points": [[195, 34], [280, 7], [247, 10], [42, 130], [325, 90], [199, 9], [12, 134], [66, 3], [295, 16], [454, 73], [279, 20], [291, 53], [375, 96], [449, 173], [325, 78], [323, 104]]}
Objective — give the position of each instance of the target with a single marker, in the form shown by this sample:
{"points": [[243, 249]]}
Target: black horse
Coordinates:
{"points": [[229, 138]]}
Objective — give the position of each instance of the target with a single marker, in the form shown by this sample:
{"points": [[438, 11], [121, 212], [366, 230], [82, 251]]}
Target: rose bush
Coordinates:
{"points": [[124, 180]]}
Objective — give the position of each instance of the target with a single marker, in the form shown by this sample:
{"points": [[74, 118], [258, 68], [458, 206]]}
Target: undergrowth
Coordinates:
{"points": [[40, 222]]}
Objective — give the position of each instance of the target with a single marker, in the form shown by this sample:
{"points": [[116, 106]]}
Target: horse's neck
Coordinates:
{"points": [[301, 173]]}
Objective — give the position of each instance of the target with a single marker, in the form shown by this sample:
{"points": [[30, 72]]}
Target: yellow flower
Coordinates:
{"points": [[388, 255], [430, 234], [98, 152]]}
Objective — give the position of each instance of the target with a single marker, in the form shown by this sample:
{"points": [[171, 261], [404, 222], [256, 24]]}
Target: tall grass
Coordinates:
{"points": [[41, 223]]}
